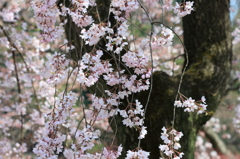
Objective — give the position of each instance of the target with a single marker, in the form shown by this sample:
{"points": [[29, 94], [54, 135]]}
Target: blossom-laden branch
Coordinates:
{"points": [[171, 138], [191, 105]]}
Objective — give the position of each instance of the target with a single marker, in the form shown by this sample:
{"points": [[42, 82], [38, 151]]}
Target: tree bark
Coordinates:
{"points": [[208, 42]]}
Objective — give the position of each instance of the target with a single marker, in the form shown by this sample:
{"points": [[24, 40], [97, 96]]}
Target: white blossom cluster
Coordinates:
{"points": [[107, 153], [9, 14], [165, 38], [46, 15], [16, 151], [204, 149], [120, 6], [91, 67], [183, 9], [130, 117], [84, 140], [171, 139], [103, 108], [94, 33], [49, 144], [191, 105], [138, 61], [63, 108], [57, 70], [79, 16], [52, 139], [133, 118], [137, 154]]}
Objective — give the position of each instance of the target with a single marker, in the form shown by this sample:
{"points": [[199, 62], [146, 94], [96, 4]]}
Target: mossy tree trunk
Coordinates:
{"points": [[208, 42]]}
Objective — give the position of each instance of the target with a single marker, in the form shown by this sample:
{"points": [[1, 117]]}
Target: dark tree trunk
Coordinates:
{"points": [[208, 42]]}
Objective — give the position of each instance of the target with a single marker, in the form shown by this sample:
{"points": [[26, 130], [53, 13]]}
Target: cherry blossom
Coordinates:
{"points": [[171, 139], [137, 154], [191, 105], [45, 14], [183, 9]]}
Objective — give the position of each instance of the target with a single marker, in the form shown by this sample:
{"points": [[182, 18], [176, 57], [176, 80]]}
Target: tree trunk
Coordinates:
{"points": [[208, 42]]}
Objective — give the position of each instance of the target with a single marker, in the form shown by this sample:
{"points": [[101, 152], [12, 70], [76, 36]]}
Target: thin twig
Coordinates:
{"points": [[184, 69], [151, 54]]}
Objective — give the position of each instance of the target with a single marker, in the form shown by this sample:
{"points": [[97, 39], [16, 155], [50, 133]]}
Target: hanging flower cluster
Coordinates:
{"points": [[171, 139], [191, 105], [137, 154], [52, 140], [183, 9], [165, 38], [57, 69], [46, 15]]}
